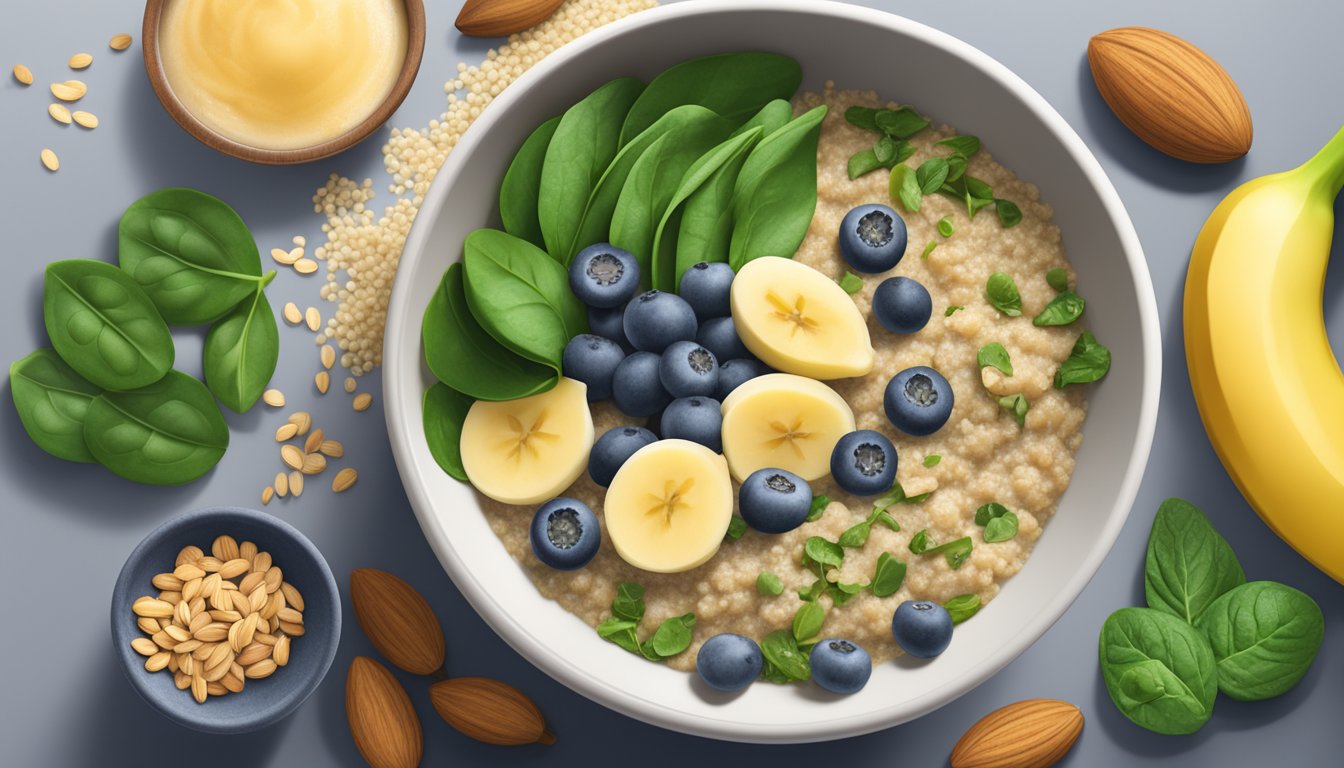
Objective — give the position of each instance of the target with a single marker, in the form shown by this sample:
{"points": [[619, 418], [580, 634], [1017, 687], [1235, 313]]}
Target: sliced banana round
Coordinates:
{"points": [[797, 320], [669, 506], [528, 450], [783, 421]]}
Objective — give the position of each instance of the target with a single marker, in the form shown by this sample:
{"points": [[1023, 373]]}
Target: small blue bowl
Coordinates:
{"points": [[262, 702]]}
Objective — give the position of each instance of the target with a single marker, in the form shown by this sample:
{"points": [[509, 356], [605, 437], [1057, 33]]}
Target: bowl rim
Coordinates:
{"points": [[401, 412], [158, 80], [287, 701]]}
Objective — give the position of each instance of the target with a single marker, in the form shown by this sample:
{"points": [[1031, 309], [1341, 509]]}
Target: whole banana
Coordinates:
{"points": [[1267, 384]]}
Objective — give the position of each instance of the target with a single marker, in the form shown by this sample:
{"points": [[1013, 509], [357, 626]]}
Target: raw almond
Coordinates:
{"points": [[1171, 94], [490, 711], [382, 721], [119, 42], [499, 18], [397, 620], [1034, 733]]}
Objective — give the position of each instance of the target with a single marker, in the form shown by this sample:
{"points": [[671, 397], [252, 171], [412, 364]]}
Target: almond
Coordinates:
{"points": [[490, 711], [1034, 733], [498, 18], [383, 723], [397, 620], [1171, 94]]}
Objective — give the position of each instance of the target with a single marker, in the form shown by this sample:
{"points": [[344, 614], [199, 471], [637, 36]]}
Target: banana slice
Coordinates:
{"points": [[785, 422], [797, 320], [669, 506], [528, 450]]}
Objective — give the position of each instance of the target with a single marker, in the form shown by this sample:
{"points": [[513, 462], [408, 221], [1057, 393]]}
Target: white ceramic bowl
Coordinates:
{"points": [[857, 48]]}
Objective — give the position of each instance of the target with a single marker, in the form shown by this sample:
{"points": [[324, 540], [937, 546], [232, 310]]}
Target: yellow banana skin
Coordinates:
{"points": [[1267, 384]]}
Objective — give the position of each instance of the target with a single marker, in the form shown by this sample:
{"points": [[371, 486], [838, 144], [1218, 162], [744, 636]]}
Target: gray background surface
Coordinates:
{"points": [[65, 528]]}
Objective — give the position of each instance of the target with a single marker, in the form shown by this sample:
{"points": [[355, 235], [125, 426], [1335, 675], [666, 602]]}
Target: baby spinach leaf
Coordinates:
{"points": [[780, 649], [994, 355], [584, 144], [774, 115], [1001, 528], [1264, 637], [735, 85], [519, 191], [672, 636], [1159, 670], [620, 632], [1089, 361], [101, 322], [52, 400], [768, 584], [167, 433], [921, 542], [904, 186], [990, 511], [856, 535], [1189, 564], [956, 552], [966, 146], [931, 174], [520, 296], [241, 351], [190, 252], [464, 356], [888, 576], [901, 123], [813, 591], [1058, 278], [776, 192], [962, 607], [1009, 213], [737, 527], [444, 410], [807, 621], [1002, 294], [819, 505], [629, 601], [704, 222], [1062, 310], [1017, 405], [823, 552]]}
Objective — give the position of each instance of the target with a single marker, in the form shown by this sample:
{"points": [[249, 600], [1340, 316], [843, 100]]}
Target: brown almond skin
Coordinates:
{"points": [[1171, 94], [1035, 733], [383, 723], [490, 711], [397, 620], [499, 18]]}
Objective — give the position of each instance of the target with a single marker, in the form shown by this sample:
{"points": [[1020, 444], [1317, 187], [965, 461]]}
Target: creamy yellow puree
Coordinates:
{"points": [[282, 74]]}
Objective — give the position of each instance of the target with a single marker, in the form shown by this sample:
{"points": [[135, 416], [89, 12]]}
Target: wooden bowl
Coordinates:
{"points": [[415, 47]]}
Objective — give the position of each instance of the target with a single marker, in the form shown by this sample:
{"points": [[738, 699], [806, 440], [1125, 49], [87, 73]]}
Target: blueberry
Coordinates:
{"points": [[613, 448], [604, 276], [719, 335], [565, 534], [698, 419], [840, 666], [592, 360], [656, 319], [636, 388], [918, 401], [705, 287], [689, 369], [864, 463], [774, 500], [872, 238], [610, 324], [922, 628], [733, 373], [729, 662], [902, 305]]}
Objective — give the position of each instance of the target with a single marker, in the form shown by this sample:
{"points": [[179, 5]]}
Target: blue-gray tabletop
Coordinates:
{"points": [[65, 528]]}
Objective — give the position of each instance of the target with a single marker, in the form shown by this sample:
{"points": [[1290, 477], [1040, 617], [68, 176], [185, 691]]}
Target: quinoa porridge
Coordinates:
{"points": [[985, 455]]}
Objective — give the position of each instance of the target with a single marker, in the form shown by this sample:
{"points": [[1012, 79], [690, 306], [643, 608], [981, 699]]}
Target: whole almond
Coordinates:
{"points": [[499, 18], [397, 620], [490, 711], [1035, 733], [383, 723], [1171, 94]]}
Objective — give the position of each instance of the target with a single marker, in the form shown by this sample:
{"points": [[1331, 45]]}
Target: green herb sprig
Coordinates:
{"points": [[672, 637]]}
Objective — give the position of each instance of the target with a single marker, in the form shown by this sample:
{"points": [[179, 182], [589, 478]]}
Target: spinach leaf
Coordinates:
{"points": [[1009, 213], [888, 576], [520, 296], [807, 621], [672, 636], [704, 222], [584, 144], [191, 253], [823, 552], [519, 191], [962, 607], [774, 115], [464, 356], [931, 174], [104, 326], [819, 505], [768, 584], [966, 146], [856, 535], [1089, 361], [904, 186], [1002, 294], [956, 552], [1016, 405], [901, 123], [1062, 310], [921, 542], [167, 433], [735, 85], [814, 591], [989, 511], [1001, 528], [1159, 670], [620, 632], [851, 283], [781, 650], [863, 117], [993, 354], [629, 601], [737, 527], [444, 410], [776, 192], [861, 163], [1264, 636], [241, 351], [1058, 278], [1189, 564], [52, 400]]}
